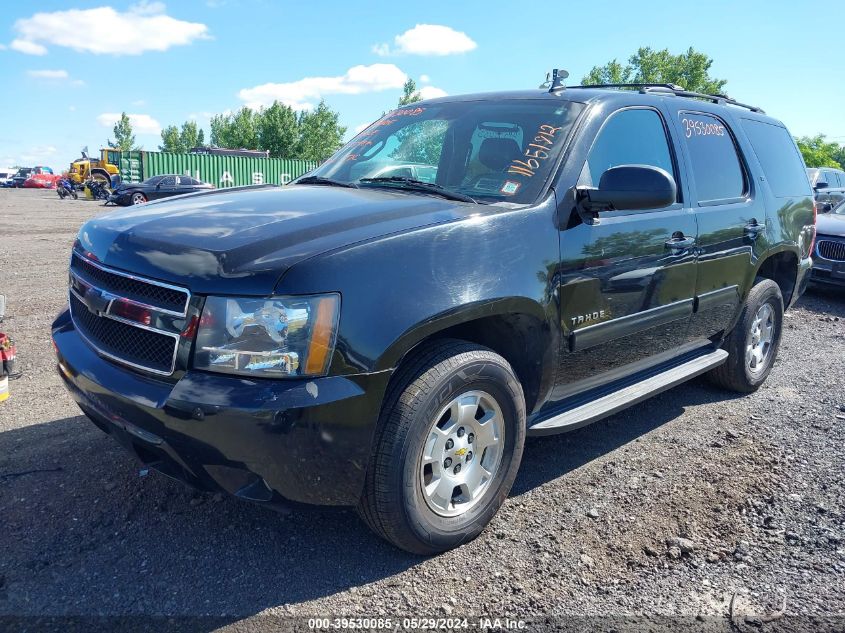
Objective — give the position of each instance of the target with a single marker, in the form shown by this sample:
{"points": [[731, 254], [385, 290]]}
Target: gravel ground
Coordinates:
{"points": [[677, 507]]}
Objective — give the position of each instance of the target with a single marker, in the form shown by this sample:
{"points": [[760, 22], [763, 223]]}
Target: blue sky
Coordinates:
{"points": [[71, 66]]}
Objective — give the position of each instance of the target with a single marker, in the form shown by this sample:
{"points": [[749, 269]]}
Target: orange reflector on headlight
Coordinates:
{"points": [[321, 336]]}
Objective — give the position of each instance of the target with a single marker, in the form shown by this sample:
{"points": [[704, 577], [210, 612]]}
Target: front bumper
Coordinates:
{"points": [[306, 441], [826, 271]]}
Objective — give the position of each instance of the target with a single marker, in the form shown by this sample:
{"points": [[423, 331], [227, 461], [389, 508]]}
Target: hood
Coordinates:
{"points": [[242, 242], [830, 224]]}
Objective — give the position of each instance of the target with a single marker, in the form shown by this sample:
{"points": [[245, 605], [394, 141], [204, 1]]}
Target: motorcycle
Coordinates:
{"points": [[65, 188], [98, 190]]}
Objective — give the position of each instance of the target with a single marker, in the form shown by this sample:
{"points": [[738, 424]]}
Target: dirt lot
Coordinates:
{"points": [[752, 487]]}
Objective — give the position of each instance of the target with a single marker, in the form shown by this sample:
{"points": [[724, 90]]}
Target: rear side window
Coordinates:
{"points": [[781, 162], [630, 137], [716, 168], [831, 178]]}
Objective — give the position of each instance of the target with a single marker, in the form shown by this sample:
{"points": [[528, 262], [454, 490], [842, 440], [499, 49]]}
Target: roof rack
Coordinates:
{"points": [[678, 91]]}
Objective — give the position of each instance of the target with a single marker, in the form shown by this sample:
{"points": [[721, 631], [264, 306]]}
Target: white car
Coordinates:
{"points": [[6, 174]]}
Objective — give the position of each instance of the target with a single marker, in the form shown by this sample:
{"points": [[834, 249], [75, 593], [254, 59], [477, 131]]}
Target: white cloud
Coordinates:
{"points": [[54, 75], [48, 74], [301, 94], [428, 39], [141, 123], [27, 47], [424, 79], [103, 30], [430, 92], [36, 155]]}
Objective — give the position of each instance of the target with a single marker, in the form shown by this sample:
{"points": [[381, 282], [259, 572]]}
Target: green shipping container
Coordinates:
{"points": [[220, 171]]}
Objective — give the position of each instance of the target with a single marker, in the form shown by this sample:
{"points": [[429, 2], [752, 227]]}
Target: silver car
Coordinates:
{"points": [[829, 254]]}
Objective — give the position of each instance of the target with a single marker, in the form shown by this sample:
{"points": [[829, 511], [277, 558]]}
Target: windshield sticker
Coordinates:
{"points": [[700, 128], [510, 187], [408, 112], [536, 153]]}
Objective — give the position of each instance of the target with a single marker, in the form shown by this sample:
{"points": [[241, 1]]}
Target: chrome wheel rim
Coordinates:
{"points": [[462, 453], [138, 199], [758, 344]]}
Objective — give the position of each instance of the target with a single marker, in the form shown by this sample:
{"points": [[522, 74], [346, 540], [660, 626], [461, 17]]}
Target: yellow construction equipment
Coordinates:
{"points": [[103, 168]]}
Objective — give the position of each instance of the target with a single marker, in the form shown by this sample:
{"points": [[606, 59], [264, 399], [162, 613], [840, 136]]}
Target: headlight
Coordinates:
{"points": [[285, 336]]}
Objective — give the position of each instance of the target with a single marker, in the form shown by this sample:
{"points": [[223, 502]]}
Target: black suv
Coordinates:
{"points": [[387, 342]]}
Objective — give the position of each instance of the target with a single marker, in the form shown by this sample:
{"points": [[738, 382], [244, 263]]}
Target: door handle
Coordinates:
{"points": [[753, 229], [678, 245]]}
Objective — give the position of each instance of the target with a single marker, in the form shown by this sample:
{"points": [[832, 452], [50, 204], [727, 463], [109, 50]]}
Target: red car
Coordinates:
{"points": [[41, 181]]}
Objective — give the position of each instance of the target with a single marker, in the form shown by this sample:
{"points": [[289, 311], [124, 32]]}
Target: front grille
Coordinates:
{"points": [[127, 318], [124, 343], [834, 251], [156, 295]]}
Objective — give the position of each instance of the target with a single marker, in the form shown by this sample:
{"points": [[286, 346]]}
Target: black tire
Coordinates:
{"points": [[393, 504], [137, 196], [736, 374]]}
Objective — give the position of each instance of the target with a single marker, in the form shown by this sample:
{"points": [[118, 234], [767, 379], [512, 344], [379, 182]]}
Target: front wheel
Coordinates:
{"points": [[753, 343], [447, 450], [138, 198]]}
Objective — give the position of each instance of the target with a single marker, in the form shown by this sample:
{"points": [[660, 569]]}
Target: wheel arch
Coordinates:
{"points": [[781, 266], [515, 328]]}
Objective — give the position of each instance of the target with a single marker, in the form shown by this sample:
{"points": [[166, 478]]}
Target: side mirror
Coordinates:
{"points": [[827, 207], [629, 187], [821, 184]]}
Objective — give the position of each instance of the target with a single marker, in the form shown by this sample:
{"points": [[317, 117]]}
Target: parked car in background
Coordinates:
{"points": [[156, 188], [828, 184], [7, 177], [21, 175], [41, 181], [387, 343], [829, 254]]}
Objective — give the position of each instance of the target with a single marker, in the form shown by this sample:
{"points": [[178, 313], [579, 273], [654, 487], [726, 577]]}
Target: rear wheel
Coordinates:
{"points": [[447, 450], [753, 344], [138, 198]]}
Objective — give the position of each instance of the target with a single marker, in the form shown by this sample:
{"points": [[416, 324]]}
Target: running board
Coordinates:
{"points": [[611, 403]]}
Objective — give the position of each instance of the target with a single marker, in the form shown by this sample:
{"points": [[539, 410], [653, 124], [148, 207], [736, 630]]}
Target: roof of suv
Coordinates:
{"points": [[590, 94]]}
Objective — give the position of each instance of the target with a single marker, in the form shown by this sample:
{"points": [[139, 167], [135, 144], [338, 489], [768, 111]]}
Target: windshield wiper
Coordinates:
{"points": [[411, 184], [320, 180]]}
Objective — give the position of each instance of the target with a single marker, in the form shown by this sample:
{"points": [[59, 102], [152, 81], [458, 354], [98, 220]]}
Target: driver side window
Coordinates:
{"points": [[629, 137]]}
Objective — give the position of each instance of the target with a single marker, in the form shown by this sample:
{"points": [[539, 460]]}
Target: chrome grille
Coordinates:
{"points": [[128, 319], [831, 250], [168, 298]]}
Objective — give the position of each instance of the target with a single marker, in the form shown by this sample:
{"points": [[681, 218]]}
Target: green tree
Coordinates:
{"points": [[171, 141], [235, 131], [818, 152], [410, 94], [201, 138], [320, 133], [124, 139], [691, 70], [278, 130], [189, 136]]}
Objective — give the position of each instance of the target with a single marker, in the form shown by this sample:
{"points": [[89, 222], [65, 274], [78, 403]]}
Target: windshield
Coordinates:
{"points": [[152, 181], [840, 209], [492, 151]]}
